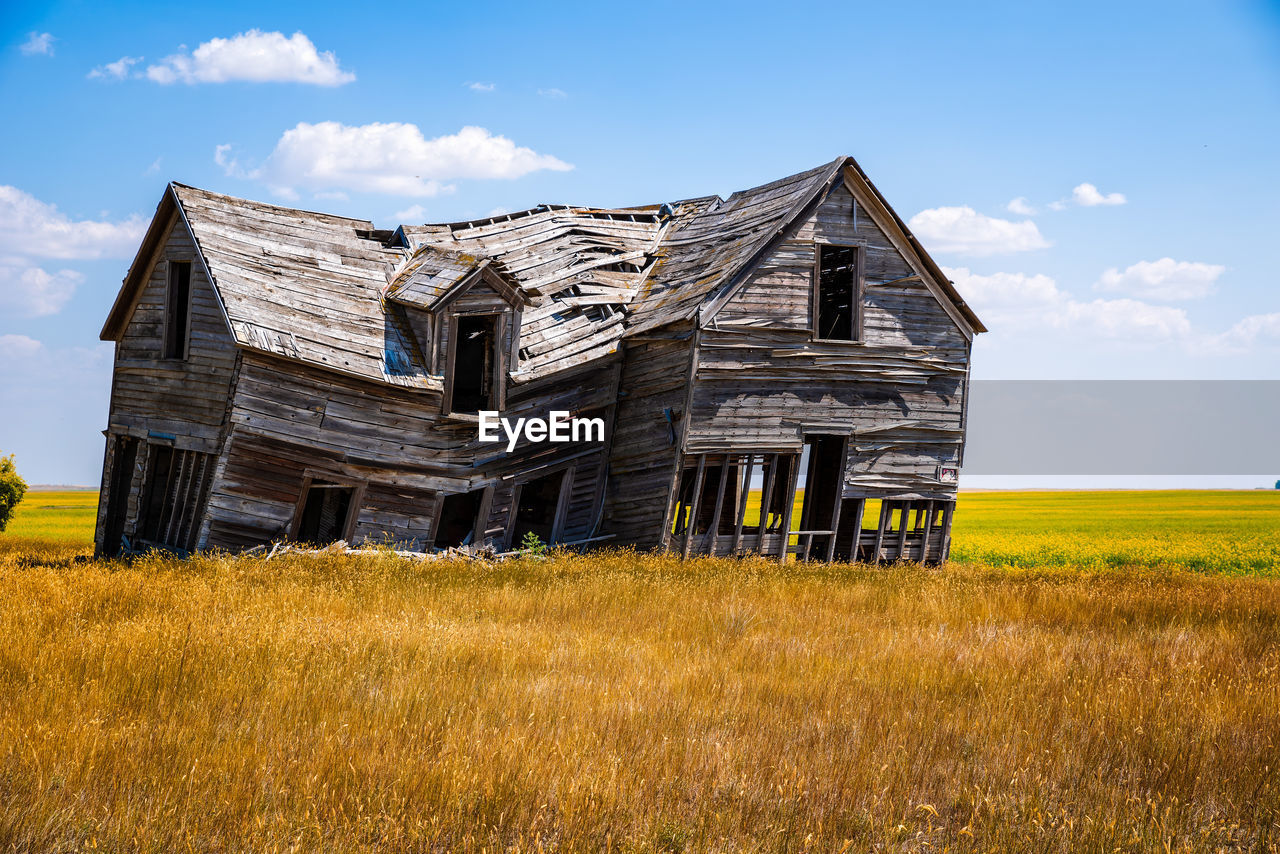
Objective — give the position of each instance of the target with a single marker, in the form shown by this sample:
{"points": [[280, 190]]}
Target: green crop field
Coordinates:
{"points": [[1092, 672]]}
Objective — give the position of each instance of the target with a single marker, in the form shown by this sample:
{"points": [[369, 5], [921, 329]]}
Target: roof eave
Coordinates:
{"points": [[134, 279], [926, 260]]}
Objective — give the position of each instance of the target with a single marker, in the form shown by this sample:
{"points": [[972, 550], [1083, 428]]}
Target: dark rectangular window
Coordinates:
{"points": [[537, 508], [474, 354], [459, 516], [176, 310], [324, 513], [837, 298]]}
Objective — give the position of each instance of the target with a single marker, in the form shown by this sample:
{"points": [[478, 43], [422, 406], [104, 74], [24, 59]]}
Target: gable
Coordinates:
{"points": [[436, 276], [707, 260], [898, 307]]}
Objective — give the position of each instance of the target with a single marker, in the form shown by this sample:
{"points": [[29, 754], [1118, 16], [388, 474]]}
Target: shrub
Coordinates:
{"points": [[532, 544], [12, 488]]}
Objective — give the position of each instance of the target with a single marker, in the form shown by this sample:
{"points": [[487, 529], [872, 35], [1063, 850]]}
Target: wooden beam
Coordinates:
{"points": [[857, 529], [947, 509], [904, 524], [790, 498], [764, 499], [885, 510], [928, 530], [743, 500], [713, 530], [693, 509]]}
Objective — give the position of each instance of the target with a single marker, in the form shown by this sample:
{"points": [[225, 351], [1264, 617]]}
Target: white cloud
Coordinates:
{"points": [[117, 70], [965, 231], [482, 87], [30, 227], [154, 167], [1165, 279], [14, 347], [1014, 303], [1257, 329], [1020, 206], [256, 57], [1123, 319], [1059, 205], [393, 158], [29, 291], [1087, 195], [38, 44], [221, 156], [553, 93], [413, 213], [498, 211]]}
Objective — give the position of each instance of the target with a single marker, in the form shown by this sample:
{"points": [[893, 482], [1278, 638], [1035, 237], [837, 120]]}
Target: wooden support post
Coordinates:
{"points": [[947, 510], [928, 531], [713, 530], [174, 492], [744, 494], [789, 495], [886, 507], [839, 500], [166, 506], [904, 524], [693, 508], [857, 529], [764, 499]]}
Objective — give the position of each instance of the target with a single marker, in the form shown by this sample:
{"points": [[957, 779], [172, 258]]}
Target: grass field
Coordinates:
{"points": [[1094, 672]]}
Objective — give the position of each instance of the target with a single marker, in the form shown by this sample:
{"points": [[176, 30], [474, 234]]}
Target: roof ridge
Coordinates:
{"points": [[178, 185]]}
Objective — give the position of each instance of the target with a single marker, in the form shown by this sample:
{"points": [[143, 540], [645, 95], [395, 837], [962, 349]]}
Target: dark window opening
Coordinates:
{"points": [[324, 513], [824, 477], [177, 307], [159, 471], [822, 465], [473, 364], [536, 510], [459, 516], [173, 492], [837, 314], [122, 462]]}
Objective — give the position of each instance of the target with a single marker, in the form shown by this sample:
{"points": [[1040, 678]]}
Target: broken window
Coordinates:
{"points": [[473, 364], [744, 498], [837, 312], [325, 513], [171, 497], [537, 508], [459, 517], [177, 310]]}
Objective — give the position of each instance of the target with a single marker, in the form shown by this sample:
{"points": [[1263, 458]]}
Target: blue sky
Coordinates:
{"points": [[1139, 140]]}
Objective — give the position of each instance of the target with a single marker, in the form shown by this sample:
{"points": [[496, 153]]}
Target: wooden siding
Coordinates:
{"points": [[761, 381], [642, 459], [289, 421]]}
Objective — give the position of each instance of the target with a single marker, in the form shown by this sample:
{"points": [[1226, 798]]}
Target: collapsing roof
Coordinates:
{"points": [[316, 287]]}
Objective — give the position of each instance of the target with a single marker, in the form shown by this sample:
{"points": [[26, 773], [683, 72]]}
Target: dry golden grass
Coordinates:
{"points": [[618, 702]]}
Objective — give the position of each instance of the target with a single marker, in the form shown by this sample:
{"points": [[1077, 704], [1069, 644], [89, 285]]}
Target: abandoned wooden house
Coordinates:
{"points": [[283, 374]]}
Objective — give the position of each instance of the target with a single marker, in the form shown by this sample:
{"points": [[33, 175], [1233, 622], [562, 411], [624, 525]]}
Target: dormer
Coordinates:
{"points": [[464, 311]]}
